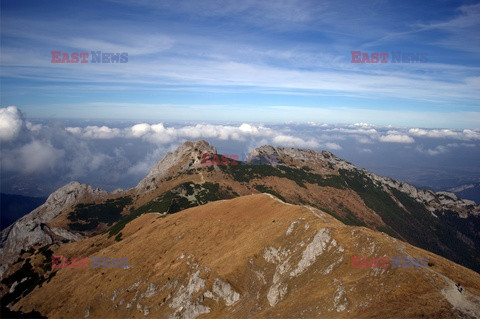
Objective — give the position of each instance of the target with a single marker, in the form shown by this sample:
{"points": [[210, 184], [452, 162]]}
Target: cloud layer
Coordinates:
{"points": [[112, 156]]}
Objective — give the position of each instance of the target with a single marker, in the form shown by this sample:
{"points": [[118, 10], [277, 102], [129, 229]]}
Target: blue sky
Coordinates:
{"points": [[246, 61]]}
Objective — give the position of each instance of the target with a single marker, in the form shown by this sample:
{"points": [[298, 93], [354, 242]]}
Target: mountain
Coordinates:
{"points": [[79, 216], [468, 191], [38, 227], [12, 207], [436, 221], [249, 257]]}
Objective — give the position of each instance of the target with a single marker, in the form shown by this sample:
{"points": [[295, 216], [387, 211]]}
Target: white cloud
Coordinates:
{"points": [[247, 128], [54, 155], [158, 133], [102, 132], [363, 140], [74, 130], [471, 134], [10, 123], [393, 132], [140, 130], [437, 150], [142, 167], [291, 141], [333, 146], [364, 125], [440, 149], [33, 127], [359, 130], [445, 133], [396, 138], [95, 132], [38, 156]]}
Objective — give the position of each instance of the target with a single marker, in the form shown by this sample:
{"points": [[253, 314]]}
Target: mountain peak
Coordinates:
{"points": [[186, 156], [299, 157], [70, 192], [31, 229]]}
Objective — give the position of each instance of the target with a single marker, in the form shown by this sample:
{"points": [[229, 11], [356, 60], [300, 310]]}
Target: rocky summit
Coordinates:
{"points": [[299, 239]]}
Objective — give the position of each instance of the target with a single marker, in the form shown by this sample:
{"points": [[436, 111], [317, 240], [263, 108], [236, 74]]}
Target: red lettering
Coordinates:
{"points": [[205, 159], [65, 58], [74, 263], [75, 57], [384, 55], [356, 262], [233, 158], [383, 262], [55, 58], [365, 58], [65, 262], [84, 55], [224, 160], [215, 160], [84, 263], [355, 56], [56, 262], [375, 57]]}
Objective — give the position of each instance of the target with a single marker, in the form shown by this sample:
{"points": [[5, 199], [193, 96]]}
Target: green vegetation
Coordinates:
{"points": [[7, 313], [246, 173], [348, 219], [47, 253], [387, 230], [450, 226], [27, 278], [118, 237], [22, 288], [175, 200], [87, 216], [268, 189], [416, 224], [409, 225]]}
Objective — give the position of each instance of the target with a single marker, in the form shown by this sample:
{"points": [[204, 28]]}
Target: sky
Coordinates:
{"points": [[245, 61], [239, 74]]}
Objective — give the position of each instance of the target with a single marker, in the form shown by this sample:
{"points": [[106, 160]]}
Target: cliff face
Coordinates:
{"points": [[32, 229], [187, 156]]}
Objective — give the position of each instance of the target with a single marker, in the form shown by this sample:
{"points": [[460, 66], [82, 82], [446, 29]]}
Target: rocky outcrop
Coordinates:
{"points": [[305, 157], [186, 156], [242, 258], [32, 229], [330, 164], [433, 201]]}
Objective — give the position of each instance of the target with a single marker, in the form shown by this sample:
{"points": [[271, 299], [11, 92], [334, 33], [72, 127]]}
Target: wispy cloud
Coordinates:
{"points": [[248, 53]]}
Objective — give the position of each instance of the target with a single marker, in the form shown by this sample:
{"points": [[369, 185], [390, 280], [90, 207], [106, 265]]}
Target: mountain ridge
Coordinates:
{"points": [[334, 185], [252, 256]]}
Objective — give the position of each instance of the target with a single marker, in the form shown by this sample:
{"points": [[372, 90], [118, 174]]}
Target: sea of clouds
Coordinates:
{"points": [[38, 156]]}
